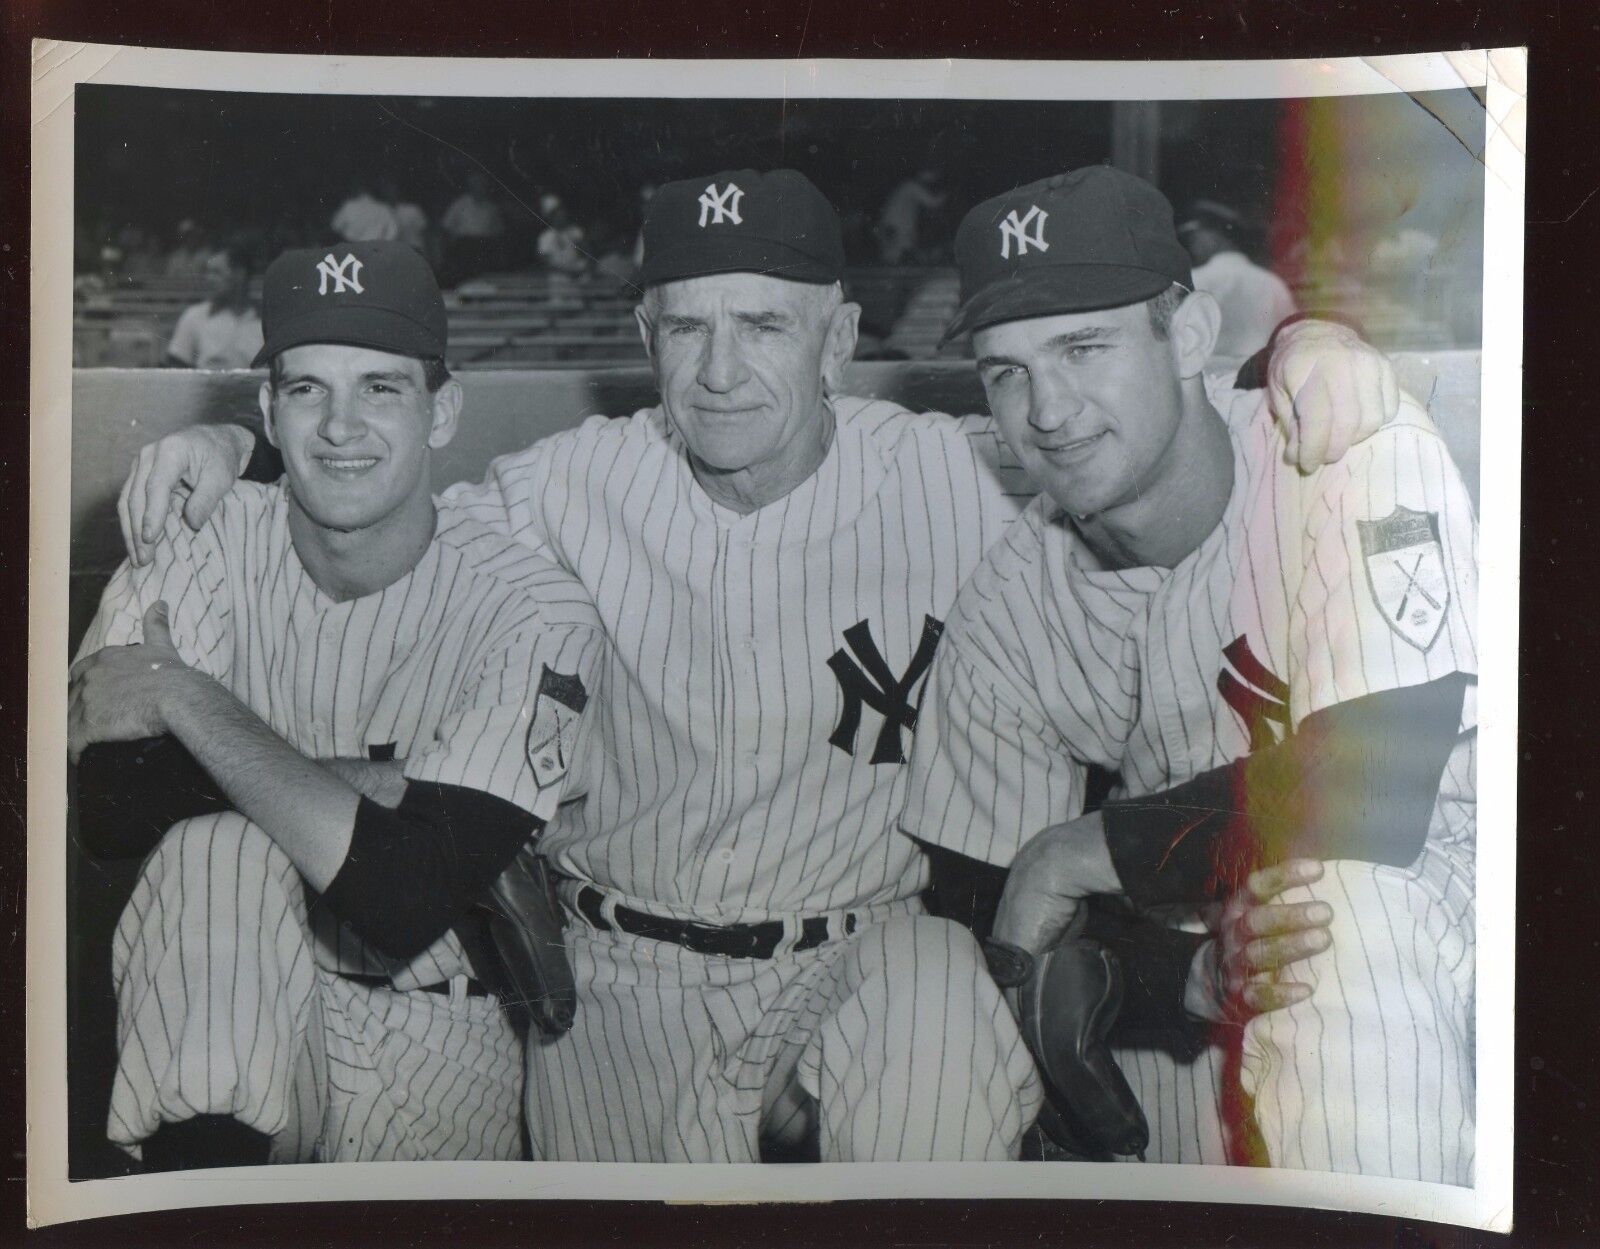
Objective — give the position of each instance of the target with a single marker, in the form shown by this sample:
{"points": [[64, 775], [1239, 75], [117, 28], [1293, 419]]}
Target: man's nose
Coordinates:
{"points": [[342, 420], [1056, 402], [722, 365]]}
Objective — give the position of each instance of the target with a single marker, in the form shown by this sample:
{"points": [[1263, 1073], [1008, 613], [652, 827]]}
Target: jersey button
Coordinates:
{"points": [[725, 854]]}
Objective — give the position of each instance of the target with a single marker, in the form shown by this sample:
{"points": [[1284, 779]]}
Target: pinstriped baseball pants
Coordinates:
{"points": [[890, 1044], [222, 1009], [1372, 1075]]}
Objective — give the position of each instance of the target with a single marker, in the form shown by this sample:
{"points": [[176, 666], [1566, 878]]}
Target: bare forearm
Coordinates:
{"points": [[384, 783], [306, 808]]}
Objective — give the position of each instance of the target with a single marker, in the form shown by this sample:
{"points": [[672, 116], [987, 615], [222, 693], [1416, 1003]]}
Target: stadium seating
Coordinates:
{"points": [[536, 321], [506, 321]]}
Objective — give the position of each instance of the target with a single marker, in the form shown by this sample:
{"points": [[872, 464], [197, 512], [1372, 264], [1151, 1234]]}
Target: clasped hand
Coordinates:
{"points": [[120, 693]]}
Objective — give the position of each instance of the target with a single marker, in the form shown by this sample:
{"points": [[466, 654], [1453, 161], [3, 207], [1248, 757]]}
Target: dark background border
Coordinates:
{"points": [[1558, 1034]]}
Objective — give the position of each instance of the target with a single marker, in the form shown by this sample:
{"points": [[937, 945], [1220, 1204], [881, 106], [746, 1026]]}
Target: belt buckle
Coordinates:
{"points": [[693, 933]]}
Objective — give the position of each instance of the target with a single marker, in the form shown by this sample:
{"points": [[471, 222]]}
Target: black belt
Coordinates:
{"points": [[474, 987], [727, 940]]}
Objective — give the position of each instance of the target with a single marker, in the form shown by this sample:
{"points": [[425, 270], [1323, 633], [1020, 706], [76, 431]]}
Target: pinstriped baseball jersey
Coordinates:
{"points": [[441, 669], [1312, 591], [765, 669], [1162, 674]]}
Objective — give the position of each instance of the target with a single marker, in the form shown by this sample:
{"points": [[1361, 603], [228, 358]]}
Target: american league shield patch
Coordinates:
{"points": [[557, 709], [1405, 568]]}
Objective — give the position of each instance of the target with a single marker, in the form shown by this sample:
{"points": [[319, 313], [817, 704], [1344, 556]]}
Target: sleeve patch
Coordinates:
{"points": [[557, 708], [1406, 573]]}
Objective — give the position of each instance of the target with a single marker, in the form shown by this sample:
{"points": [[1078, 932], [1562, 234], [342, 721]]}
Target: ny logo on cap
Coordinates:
{"points": [[724, 205], [346, 275], [1014, 228]]}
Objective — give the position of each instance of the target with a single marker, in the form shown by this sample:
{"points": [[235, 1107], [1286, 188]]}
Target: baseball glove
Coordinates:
{"points": [[527, 964], [1068, 998]]}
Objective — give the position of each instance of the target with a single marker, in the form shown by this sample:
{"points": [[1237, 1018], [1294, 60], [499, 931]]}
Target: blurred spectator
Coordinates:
{"points": [[900, 222], [188, 257], [224, 331], [408, 215], [562, 242], [474, 229], [364, 217], [1254, 300], [140, 256]]}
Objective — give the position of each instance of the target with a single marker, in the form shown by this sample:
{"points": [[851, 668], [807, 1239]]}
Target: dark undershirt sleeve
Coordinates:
{"points": [[1356, 781], [128, 794], [265, 464], [413, 872], [1155, 959]]}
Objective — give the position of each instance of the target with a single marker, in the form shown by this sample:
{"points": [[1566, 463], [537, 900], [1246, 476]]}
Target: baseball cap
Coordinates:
{"points": [[1092, 238], [741, 221], [374, 294]]}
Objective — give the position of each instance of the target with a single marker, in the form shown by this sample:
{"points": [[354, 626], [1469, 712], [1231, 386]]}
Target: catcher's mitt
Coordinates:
{"points": [[528, 970], [1068, 999]]}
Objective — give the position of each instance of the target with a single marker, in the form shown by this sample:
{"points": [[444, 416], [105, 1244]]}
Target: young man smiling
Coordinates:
{"points": [[365, 713], [1273, 664]]}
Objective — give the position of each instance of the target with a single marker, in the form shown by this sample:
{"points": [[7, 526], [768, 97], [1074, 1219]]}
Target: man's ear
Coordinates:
{"points": [[644, 331], [1195, 325], [264, 398], [844, 329], [447, 402]]}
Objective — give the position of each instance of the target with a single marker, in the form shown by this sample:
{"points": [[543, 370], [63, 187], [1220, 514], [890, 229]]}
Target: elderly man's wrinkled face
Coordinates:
{"points": [[740, 360]]}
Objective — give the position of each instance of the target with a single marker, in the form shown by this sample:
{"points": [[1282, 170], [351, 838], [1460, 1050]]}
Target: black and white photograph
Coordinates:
{"points": [[774, 614]]}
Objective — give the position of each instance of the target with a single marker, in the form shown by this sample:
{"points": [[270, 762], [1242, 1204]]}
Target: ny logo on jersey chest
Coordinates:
{"points": [[1258, 696], [864, 677]]}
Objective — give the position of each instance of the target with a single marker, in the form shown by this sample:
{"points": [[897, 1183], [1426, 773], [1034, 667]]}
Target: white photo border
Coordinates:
{"points": [[59, 68]]}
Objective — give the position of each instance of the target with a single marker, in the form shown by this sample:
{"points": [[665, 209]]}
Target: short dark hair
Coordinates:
{"points": [[1162, 307], [435, 373]]}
